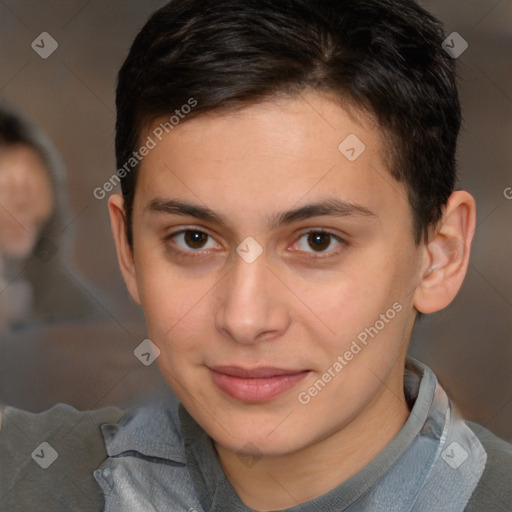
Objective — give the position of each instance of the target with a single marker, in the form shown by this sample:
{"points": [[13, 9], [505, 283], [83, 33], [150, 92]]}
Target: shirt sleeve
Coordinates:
{"points": [[494, 490], [47, 459]]}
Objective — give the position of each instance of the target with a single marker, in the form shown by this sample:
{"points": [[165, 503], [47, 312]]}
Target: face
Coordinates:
{"points": [[26, 200], [276, 270]]}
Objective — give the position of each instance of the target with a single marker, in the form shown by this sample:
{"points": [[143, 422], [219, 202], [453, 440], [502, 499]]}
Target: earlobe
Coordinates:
{"points": [[124, 251], [448, 255]]}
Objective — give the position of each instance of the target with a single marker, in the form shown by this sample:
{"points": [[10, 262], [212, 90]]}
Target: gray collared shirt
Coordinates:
{"points": [[160, 459]]}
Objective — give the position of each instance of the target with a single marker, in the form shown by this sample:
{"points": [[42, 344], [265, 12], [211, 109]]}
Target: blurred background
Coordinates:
{"points": [[79, 346]]}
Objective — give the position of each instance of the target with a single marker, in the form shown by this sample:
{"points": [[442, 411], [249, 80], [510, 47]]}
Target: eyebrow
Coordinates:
{"points": [[331, 207]]}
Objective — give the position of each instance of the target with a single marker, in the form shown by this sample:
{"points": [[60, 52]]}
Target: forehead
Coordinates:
{"points": [[21, 155], [269, 154]]}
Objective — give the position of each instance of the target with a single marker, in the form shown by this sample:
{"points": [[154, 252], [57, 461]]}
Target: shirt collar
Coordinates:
{"points": [[435, 453], [152, 430], [420, 385]]}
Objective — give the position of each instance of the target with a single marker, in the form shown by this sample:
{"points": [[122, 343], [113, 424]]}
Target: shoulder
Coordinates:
{"points": [[153, 431], [147, 467], [494, 490], [48, 458]]}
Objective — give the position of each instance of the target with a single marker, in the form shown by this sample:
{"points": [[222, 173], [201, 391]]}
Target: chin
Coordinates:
{"points": [[253, 438], [255, 447], [18, 246], [19, 251]]}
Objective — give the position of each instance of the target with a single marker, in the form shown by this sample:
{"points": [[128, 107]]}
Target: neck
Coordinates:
{"points": [[275, 483]]}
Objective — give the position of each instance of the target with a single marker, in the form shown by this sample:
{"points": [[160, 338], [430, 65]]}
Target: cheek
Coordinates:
{"points": [[175, 309], [17, 240], [350, 303]]}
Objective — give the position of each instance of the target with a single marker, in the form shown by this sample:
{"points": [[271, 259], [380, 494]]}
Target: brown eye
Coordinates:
{"points": [[319, 241], [195, 239]]}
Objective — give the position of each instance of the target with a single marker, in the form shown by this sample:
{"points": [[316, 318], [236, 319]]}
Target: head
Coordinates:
{"points": [[26, 187], [292, 186]]}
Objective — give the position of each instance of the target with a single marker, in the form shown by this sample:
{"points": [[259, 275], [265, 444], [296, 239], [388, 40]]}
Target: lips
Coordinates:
{"points": [[255, 385]]}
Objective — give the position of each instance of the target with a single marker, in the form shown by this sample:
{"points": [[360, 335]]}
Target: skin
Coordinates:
{"points": [[26, 200], [298, 305]]}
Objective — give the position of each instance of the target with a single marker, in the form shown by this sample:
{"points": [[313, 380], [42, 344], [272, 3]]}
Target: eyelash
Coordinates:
{"points": [[202, 253]]}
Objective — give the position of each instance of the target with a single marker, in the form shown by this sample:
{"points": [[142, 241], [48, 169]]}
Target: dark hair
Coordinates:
{"points": [[384, 57]]}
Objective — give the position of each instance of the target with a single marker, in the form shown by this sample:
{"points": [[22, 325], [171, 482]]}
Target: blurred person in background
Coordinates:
{"points": [[56, 329], [36, 280]]}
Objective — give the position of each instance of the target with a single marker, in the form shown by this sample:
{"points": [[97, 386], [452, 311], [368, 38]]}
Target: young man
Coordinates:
{"points": [[288, 210]]}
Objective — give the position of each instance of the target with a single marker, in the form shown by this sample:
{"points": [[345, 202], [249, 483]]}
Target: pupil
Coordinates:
{"points": [[195, 239], [320, 240]]}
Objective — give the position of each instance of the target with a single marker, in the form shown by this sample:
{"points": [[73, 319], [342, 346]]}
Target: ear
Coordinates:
{"points": [[124, 251], [447, 254]]}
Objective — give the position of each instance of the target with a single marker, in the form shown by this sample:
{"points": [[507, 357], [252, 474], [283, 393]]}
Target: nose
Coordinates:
{"points": [[251, 309]]}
